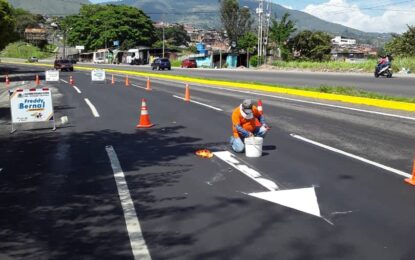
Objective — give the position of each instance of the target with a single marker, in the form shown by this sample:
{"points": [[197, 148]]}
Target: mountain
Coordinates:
{"points": [[205, 13], [50, 7]]}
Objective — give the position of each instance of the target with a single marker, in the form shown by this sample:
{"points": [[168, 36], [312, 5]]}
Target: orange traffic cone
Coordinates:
{"points": [[37, 80], [148, 84], [187, 94], [260, 106], [71, 81], [112, 79], [145, 117], [412, 180], [257, 123], [7, 80], [127, 82]]}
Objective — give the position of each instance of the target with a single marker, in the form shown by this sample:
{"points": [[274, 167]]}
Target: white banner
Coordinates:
{"points": [[52, 75], [98, 75], [31, 105]]}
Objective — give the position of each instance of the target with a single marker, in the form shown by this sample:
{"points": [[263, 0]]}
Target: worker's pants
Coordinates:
{"points": [[238, 143]]}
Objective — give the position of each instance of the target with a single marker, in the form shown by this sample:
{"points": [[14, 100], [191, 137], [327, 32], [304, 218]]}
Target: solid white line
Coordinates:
{"points": [[230, 159], [138, 244], [92, 107], [387, 168], [77, 89], [64, 81], [137, 86], [202, 104], [312, 102]]}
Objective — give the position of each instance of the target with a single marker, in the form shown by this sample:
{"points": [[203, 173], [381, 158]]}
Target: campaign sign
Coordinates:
{"points": [[98, 75], [52, 75], [31, 105]]}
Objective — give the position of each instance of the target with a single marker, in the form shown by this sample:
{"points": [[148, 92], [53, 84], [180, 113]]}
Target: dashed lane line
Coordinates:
{"points": [[138, 244], [92, 107], [384, 167], [199, 103], [77, 89]]}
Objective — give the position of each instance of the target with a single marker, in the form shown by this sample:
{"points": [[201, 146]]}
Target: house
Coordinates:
{"points": [[341, 41]]}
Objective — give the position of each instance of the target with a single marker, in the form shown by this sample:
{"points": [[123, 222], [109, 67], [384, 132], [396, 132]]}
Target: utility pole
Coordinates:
{"points": [[264, 18], [259, 12]]}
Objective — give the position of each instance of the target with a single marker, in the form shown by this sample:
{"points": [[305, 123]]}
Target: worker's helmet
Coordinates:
{"points": [[247, 106]]}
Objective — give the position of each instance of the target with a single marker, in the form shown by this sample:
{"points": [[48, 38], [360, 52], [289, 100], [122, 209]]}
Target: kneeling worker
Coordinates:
{"points": [[244, 124]]}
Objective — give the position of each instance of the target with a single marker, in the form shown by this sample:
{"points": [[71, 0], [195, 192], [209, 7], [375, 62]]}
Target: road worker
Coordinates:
{"points": [[244, 124]]}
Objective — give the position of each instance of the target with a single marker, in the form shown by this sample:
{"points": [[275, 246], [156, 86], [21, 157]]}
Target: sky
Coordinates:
{"points": [[368, 15]]}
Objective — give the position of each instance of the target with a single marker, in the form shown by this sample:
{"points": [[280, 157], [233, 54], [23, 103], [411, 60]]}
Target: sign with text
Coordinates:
{"points": [[98, 75], [31, 105], [80, 47], [52, 75]]}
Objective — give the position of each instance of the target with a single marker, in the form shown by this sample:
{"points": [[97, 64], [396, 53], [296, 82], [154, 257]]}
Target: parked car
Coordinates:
{"points": [[63, 65], [33, 59], [161, 64], [189, 63]]}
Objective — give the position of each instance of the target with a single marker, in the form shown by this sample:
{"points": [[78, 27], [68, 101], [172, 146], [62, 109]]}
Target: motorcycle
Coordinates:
{"points": [[385, 71]]}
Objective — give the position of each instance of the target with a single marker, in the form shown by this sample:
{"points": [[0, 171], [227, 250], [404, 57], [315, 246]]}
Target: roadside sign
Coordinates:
{"points": [[80, 47], [52, 75], [31, 106], [98, 75]]}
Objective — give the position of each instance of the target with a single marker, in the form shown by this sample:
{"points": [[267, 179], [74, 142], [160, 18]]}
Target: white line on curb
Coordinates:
{"points": [[138, 244], [77, 89], [308, 102], [202, 104], [387, 168], [92, 107]]}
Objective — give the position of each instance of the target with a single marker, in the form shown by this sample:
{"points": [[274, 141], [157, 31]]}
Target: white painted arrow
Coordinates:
{"points": [[304, 200]]}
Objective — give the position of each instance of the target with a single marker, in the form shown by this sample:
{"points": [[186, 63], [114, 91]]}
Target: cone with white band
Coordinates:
{"points": [[145, 117]]}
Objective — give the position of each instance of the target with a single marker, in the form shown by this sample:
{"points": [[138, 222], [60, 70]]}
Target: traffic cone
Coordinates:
{"points": [[187, 94], [7, 80], [112, 79], [148, 87], [145, 117], [127, 82], [37, 80], [412, 180], [71, 81], [257, 123], [260, 106]]}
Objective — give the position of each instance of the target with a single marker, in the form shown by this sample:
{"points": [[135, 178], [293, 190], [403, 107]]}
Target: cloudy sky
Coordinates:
{"points": [[368, 15]]}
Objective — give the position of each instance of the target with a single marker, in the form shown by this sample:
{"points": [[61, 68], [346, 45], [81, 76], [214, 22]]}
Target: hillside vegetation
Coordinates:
{"points": [[50, 7]]}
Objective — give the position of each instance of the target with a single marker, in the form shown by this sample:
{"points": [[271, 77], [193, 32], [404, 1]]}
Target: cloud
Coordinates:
{"points": [[288, 7], [393, 19]]}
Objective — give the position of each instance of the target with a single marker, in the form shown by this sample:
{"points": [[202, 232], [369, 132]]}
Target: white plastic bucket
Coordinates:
{"points": [[253, 146]]}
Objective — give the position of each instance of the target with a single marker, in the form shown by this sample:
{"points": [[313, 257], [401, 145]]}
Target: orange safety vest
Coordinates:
{"points": [[247, 124]]}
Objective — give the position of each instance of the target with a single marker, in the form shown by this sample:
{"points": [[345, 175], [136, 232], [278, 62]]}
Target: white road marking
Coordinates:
{"points": [[64, 81], [199, 103], [231, 159], [92, 107], [312, 102], [304, 200], [137, 86], [387, 168], [138, 244], [77, 89]]}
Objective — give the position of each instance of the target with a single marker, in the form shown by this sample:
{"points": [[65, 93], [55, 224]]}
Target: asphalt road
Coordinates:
{"points": [[62, 196], [399, 85]]}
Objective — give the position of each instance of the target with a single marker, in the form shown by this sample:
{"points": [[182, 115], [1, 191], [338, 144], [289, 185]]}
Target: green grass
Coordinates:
{"points": [[175, 63], [341, 66], [24, 50]]}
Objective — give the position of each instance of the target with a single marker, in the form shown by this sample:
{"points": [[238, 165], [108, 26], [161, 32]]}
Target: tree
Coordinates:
{"points": [[403, 45], [235, 20], [98, 26], [175, 35], [279, 33], [315, 46], [7, 24], [248, 42], [25, 19]]}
